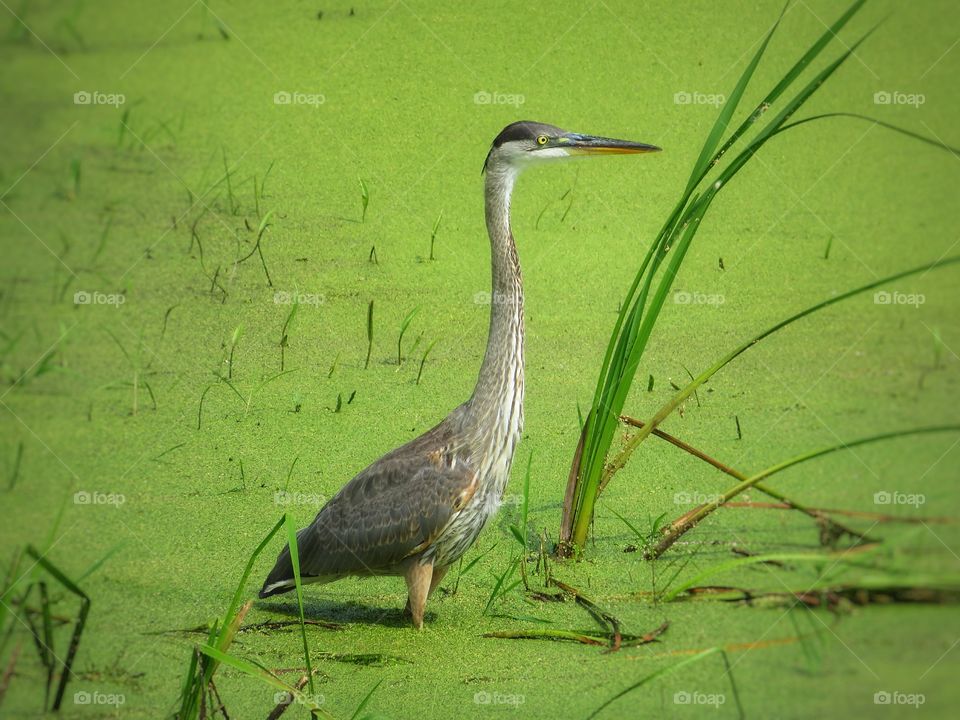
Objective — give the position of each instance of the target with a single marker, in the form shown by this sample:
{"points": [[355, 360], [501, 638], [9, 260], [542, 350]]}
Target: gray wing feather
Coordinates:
{"points": [[389, 511]]}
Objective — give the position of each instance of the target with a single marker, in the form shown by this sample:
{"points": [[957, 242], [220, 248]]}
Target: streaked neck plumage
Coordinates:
{"points": [[496, 407]]}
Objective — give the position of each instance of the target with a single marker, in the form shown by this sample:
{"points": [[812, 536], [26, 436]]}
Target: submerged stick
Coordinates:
{"points": [[573, 636], [598, 613], [549, 635]]}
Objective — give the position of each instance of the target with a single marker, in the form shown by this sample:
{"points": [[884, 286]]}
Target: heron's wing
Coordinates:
{"points": [[393, 509]]}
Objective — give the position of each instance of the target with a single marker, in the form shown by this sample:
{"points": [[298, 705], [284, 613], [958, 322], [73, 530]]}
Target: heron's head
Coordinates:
{"points": [[525, 142]]}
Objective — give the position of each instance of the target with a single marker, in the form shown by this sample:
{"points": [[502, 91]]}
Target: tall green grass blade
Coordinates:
{"points": [[829, 34], [366, 700], [99, 562], [366, 363], [258, 671], [102, 243], [403, 329], [612, 407], [653, 676], [15, 470], [295, 561], [776, 125], [433, 233], [219, 640], [463, 570], [636, 319], [501, 580], [67, 671], [520, 531], [935, 142], [233, 203], [706, 159], [423, 360], [620, 460], [364, 199], [285, 331], [821, 558], [45, 644]]}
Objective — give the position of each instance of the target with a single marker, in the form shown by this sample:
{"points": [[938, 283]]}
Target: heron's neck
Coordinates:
{"points": [[497, 400]]}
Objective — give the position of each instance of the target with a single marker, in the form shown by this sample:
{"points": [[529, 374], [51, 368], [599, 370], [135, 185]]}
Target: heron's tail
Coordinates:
{"points": [[280, 579]]}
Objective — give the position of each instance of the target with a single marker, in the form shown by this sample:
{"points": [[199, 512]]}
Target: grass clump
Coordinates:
{"points": [[592, 465]]}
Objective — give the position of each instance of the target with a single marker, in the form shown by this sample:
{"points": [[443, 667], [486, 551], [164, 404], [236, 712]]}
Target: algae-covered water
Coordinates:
{"points": [[142, 146]]}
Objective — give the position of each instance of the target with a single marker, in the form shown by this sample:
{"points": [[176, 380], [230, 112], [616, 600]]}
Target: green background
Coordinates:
{"points": [[399, 83]]}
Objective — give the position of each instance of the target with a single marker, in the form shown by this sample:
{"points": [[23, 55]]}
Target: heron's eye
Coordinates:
{"points": [[541, 140]]}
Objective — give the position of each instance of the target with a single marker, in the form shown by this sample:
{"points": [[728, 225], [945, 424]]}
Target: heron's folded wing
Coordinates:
{"points": [[392, 509]]}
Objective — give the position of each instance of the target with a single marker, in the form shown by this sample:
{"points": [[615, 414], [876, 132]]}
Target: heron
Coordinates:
{"points": [[415, 511]]}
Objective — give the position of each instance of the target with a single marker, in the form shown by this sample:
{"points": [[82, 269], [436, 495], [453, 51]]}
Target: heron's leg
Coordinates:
{"points": [[438, 573], [418, 578]]}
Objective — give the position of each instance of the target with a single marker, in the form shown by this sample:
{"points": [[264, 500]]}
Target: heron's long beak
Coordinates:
{"points": [[577, 144]]}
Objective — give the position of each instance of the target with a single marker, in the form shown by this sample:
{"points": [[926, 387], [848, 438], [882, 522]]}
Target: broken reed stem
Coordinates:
{"points": [[833, 529], [691, 519], [565, 548]]}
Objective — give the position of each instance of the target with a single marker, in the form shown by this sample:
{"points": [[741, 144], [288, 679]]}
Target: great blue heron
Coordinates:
{"points": [[415, 511]]}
